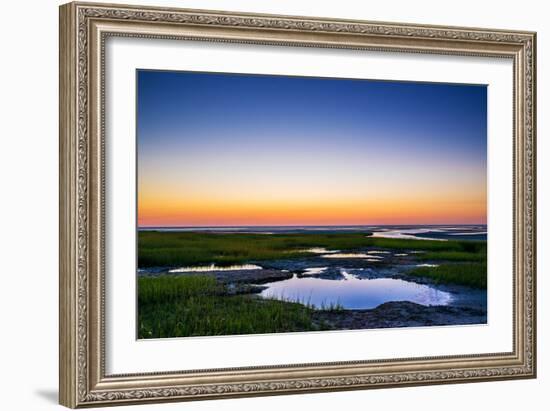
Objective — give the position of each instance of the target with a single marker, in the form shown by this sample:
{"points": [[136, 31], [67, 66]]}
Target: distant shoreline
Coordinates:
{"points": [[446, 232]]}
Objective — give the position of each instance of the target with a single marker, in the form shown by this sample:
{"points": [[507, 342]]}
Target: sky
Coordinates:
{"points": [[248, 150]]}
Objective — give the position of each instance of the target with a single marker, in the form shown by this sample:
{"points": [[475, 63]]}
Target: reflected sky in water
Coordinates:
{"points": [[352, 292]]}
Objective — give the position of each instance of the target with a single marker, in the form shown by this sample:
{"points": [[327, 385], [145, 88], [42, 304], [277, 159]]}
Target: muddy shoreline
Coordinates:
{"points": [[396, 314]]}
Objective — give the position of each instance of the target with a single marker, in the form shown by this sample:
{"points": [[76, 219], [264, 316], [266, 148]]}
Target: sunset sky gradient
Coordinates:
{"points": [[242, 150]]}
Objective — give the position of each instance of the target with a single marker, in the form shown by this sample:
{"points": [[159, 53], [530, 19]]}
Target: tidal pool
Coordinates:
{"points": [[353, 292]]}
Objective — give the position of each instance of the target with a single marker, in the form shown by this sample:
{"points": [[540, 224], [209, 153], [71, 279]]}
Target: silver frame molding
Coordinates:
{"points": [[83, 30]]}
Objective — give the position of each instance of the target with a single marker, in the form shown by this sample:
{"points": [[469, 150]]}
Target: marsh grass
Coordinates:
{"points": [[459, 251], [182, 306], [324, 306], [183, 249], [470, 274]]}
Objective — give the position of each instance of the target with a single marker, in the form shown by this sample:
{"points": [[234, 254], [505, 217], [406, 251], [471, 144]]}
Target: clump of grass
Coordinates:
{"points": [[331, 306], [174, 288], [469, 274], [324, 306], [181, 306]]}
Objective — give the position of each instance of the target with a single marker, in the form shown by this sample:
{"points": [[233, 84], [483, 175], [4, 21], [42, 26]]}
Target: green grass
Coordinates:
{"points": [[464, 251], [454, 256], [182, 306], [182, 249], [469, 274]]}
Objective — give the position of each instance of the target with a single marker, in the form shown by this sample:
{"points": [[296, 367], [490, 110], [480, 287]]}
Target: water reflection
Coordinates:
{"points": [[352, 292], [213, 267], [349, 255]]}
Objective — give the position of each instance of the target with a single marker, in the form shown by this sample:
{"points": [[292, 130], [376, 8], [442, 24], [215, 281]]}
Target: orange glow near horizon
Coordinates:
{"points": [[248, 212], [267, 194]]}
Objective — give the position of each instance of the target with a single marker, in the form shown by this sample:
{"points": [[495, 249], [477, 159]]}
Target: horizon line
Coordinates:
{"points": [[308, 225]]}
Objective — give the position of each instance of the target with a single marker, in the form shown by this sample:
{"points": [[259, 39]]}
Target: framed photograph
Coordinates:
{"points": [[260, 204]]}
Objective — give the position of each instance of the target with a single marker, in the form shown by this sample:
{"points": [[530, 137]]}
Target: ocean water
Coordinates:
{"points": [[416, 232]]}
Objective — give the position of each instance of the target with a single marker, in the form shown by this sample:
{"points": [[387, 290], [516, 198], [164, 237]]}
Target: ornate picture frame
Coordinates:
{"points": [[84, 28]]}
